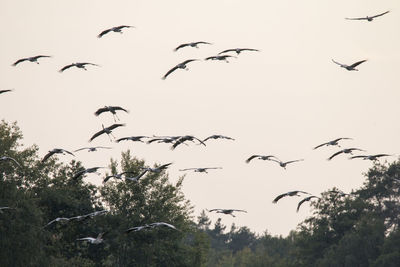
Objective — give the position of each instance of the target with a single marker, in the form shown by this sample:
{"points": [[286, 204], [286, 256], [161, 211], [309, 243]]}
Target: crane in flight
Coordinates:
{"points": [[227, 211], [185, 138], [238, 50], [56, 151], [132, 138], [283, 164], [92, 148], [111, 109], [31, 59], [289, 194], [219, 57], [114, 29], [261, 157], [6, 91], [204, 170], [333, 142], [370, 157], [345, 151], [88, 170], [182, 65], [116, 176], [157, 169], [99, 239], [369, 18], [79, 65], [304, 200], [217, 136], [106, 130], [6, 158], [350, 67], [192, 44]]}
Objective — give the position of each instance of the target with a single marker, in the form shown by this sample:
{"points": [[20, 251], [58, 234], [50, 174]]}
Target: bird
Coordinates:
{"points": [[192, 44], [333, 142], [31, 59], [56, 151], [221, 57], [238, 50], [262, 157], [368, 18], [350, 67], [80, 65], [161, 224], [82, 172], [132, 138], [370, 157], [182, 65], [5, 158], [200, 169], [290, 194], [111, 109], [227, 211], [217, 136], [92, 149], [116, 176], [346, 151], [185, 138], [157, 169], [304, 200], [136, 178], [99, 239], [59, 219], [106, 130], [137, 228], [114, 29], [283, 164], [5, 91], [167, 139]]}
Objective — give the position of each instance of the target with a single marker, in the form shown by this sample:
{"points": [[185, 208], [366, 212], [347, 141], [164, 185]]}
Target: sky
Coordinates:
{"points": [[283, 100]]}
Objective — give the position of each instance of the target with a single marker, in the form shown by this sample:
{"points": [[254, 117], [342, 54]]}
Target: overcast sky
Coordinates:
{"points": [[283, 100]]}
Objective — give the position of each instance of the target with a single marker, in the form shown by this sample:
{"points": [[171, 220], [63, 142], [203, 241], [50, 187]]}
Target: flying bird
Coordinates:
{"points": [[158, 169], [59, 219], [5, 158], [107, 130], [182, 65], [262, 157], [168, 139], [132, 138], [162, 224], [137, 228], [370, 157], [82, 172], [227, 211], [31, 59], [193, 44], [221, 57], [80, 65], [238, 50], [200, 169], [56, 151], [217, 136], [368, 18], [290, 194], [304, 200], [114, 29], [116, 176], [111, 109], [333, 142], [185, 138], [283, 164], [92, 148], [350, 67], [5, 91], [136, 178], [345, 151], [99, 239]]}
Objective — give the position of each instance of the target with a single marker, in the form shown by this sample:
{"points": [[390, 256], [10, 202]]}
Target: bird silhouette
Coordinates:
{"points": [[114, 29], [31, 59], [288, 194], [350, 67], [369, 18], [111, 109], [56, 151], [238, 50], [79, 65], [261, 157], [106, 130], [304, 200], [333, 142], [182, 65], [227, 211], [192, 44], [345, 151], [221, 57], [82, 172]]}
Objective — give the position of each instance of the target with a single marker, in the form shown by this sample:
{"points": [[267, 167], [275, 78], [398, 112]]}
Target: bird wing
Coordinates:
{"points": [[180, 46], [319, 145], [169, 72], [357, 63], [66, 151], [334, 155], [304, 200], [279, 197], [364, 18], [66, 67], [188, 169], [340, 64], [96, 135], [101, 110], [112, 127], [103, 32], [19, 61], [380, 14], [48, 155], [83, 148], [226, 51], [210, 58], [119, 108], [252, 157], [5, 91], [249, 49], [359, 156], [240, 210], [287, 162], [79, 173]]}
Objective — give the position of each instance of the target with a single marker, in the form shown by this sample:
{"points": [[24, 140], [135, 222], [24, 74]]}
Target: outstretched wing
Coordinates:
{"points": [[320, 145], [180, 46], [101, 110], [364, 18], [357, 63], [115, 125], [48, 155], [304, 200], [19, 61], [340, 64], [104, 32], [380, 14], [334, 155], [292, 161], [66, 67], [226, 51], [169, 72], [279, 197], [252, 157], [119, 108], [96, 135]]}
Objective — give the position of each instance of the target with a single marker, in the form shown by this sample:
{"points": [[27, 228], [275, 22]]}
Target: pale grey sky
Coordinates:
{"points": [[283, 100]]}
